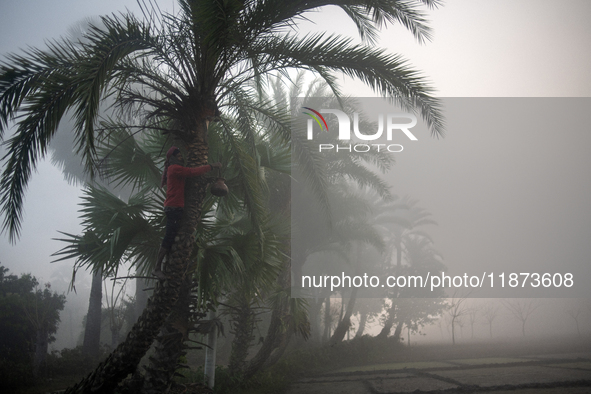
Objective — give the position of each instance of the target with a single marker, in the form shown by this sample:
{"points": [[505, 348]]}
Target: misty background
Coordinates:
{"points": [[500, 196]]}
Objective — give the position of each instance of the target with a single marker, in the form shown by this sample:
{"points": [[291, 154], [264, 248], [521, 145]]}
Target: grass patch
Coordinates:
{"points": [[575, 365], [396, 366], [491, 360], [306, 361]]}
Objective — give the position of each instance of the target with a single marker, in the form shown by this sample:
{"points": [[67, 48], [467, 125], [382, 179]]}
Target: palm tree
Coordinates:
{"points": [[175, 73], [412, 310], [400, 221]]}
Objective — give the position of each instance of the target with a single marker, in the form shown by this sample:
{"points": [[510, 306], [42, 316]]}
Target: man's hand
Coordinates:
{"points": [[216, 165]]}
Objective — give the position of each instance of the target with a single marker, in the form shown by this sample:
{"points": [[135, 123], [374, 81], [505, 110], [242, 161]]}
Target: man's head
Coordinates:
{"points": [[174, 155], [173, 151]]}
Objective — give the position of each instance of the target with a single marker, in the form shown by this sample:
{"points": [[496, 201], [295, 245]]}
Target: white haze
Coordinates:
{"points": [[484, 48]]}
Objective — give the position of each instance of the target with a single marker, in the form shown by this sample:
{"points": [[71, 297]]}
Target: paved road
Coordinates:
{"points": [[548, 374]]}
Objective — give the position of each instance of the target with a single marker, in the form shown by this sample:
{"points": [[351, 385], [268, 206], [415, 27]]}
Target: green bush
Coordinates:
{"points": [[68, 362]]}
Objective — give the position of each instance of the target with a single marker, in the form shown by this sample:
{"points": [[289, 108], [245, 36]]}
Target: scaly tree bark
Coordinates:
{"points": [[169, 346], [242, 328]]}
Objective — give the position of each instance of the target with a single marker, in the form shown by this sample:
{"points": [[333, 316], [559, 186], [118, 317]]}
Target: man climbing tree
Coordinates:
{"points": [[173, 179]]}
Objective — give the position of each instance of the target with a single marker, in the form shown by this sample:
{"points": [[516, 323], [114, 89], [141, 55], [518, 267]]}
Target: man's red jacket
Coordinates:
{"points": [[175, 184]]}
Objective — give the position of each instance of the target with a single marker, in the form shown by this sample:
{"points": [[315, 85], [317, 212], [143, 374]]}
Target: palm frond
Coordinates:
{"points": [[388, 75], [114, 231], [124, 161]]}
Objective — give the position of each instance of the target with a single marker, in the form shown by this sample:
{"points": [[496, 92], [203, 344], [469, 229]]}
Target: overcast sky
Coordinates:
{"points": [[480, 48]]}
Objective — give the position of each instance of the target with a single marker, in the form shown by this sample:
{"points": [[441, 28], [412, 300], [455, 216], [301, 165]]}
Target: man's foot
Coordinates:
{"points": [[158, 270]]}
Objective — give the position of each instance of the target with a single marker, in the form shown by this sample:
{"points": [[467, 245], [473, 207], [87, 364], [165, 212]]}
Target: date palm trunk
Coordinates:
{"points": [[362, 322], [211, 352], [284, 340], [345, 322], [243, 326], [271, 342], [398, 331], [170, 345], [126, 357], [327, 320], [92, 330], [387, 328], [276, 333]]}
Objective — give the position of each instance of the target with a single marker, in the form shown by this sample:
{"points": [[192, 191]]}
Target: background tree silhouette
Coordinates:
{"points": [[521, 310], [29, 317]]}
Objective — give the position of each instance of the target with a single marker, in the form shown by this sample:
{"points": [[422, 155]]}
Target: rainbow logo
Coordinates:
{"points": [[315, 115]]}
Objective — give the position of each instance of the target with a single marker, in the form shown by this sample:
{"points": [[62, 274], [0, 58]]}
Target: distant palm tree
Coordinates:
{"points": [[175, 73], [400, 221]]}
